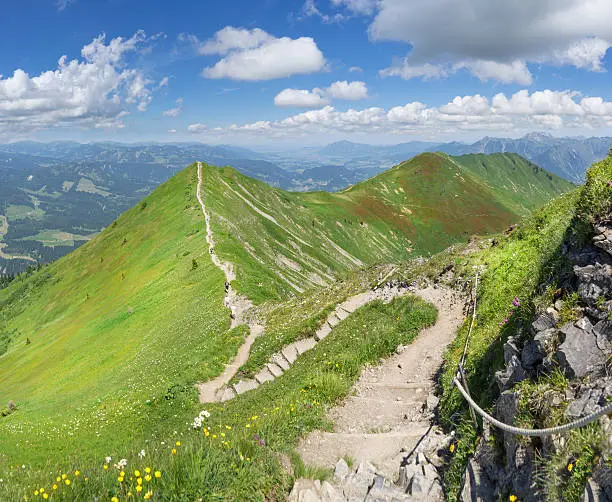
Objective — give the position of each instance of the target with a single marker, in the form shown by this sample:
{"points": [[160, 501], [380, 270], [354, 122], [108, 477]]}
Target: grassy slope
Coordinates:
{"points": [[519, 183], [229, 462], [89, 359], [417, 208]]}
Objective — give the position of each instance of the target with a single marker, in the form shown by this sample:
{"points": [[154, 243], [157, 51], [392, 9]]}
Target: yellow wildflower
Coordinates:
{"points": [[512, 498], [148, 478], [228, 427], [570, 467], [173, 451], [452, 448], [148, 495], [157, 474], [64, 476], [178, 443], [42, 490], [105, 466], [120, 479], [139, 481], [76, 473], [114, 499], [36, 492], [45, 496], [54, 486], [67, 482], [139, 488], [58, 479], [137, 473], [148, 470]]}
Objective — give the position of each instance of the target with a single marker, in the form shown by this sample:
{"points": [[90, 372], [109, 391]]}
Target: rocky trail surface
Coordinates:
{"points": [[385, 419]]}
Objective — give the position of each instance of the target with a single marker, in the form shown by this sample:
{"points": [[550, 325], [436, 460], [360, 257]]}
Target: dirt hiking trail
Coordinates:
{"points": [[386, 414], [238, 306]]}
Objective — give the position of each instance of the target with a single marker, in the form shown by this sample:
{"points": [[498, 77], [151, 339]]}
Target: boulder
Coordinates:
{"points": [[477, 487], [543, 322], [305, 490], [383, 491], [342, 470], [594, 281], [513, 373], [603, 335], [536, 350], [579, 354], [604, 239], [510, 349], [329, 493], [357, 485]]}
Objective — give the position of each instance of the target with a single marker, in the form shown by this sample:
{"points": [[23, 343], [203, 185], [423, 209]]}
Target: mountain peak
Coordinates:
{"points": [[537, 136]]}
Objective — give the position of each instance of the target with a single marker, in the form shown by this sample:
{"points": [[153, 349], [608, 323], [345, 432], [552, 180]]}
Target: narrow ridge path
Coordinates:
{"points": [[386, 414], [237, 304]]}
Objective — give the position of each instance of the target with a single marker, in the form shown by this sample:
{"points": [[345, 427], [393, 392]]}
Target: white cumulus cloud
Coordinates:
{"points": [[494, 40], [350, 91], [255, 55], [521, 111], [94, 91], [300, 98], [317, 98], [174, 112]]}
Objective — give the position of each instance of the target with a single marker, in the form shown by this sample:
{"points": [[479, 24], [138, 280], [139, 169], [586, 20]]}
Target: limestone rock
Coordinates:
{"points": [[593, 281], [342, 470], [477, 487], [579, 353], [603, 334], [513, 373], [543, 322]]}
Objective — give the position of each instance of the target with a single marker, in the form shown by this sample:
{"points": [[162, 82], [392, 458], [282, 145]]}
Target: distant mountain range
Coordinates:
{"points": [[566, 157]]}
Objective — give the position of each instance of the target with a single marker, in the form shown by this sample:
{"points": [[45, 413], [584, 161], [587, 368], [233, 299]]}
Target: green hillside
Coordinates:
{"points": [[415, 209], [101, 349], [519, 183], [115, 323]]}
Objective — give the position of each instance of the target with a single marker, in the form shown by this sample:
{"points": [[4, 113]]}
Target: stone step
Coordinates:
{"points": [[275, 369], [333, 320], [341, 314], [323, 331], [305, 345], [245, 385], [384, 450], [290, 353], [225, 394], [264, 376], [280, 360]]}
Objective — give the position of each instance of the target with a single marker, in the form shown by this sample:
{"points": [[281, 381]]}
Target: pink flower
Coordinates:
{"points": [[516, 302]]}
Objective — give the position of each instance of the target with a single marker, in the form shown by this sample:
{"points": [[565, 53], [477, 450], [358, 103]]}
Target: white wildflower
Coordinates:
{"points": [[108, 460], [141, 454]]}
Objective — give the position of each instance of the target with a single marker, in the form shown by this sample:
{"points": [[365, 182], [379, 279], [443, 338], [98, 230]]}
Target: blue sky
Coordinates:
{"points": [[303, 72]]}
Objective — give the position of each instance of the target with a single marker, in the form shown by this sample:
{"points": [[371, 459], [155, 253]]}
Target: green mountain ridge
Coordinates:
{"points": [[418, 208], [102, 348]]}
